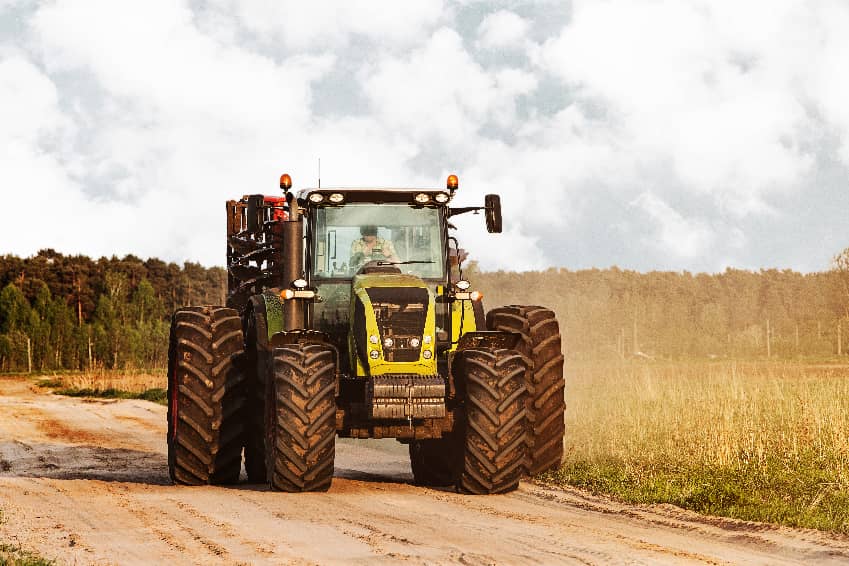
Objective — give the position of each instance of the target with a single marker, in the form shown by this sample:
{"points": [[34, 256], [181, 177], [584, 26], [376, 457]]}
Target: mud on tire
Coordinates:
{"points": [[206, 396], [257, 368], [492, 439], [300, 425], [541, 343]]}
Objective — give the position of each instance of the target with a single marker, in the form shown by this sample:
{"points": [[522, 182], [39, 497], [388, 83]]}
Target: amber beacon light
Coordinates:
{"points": [[453, 183], [285, 182]]}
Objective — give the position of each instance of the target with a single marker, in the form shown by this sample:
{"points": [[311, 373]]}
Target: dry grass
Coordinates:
{"points": [[133, 381], [756, 440]]}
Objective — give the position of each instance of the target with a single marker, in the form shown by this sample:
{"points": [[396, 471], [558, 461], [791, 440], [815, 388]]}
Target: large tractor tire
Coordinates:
{"points": [[258, 366], [300, 425], [206, 396], [433, 461], [541, 343], [492, 435]]}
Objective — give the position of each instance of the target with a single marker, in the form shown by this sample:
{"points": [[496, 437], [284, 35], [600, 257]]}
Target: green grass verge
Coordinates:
{"points": [[800, 492], [156, 395], [13, 555], [55, 382]]}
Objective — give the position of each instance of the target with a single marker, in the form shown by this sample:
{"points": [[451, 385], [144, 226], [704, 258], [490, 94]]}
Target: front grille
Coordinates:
{"points": [[400, 313]]}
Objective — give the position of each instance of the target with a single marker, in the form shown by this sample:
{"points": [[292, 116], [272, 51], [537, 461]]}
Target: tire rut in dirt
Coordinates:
{"points": [[433, 461], [206, 396], [493, 433], [301, 418], [541, 343], [257, 367]]}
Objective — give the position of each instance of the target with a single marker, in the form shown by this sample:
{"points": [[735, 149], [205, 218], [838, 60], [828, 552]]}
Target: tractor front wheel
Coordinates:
{"points": [[492, 435], [300, 444]]}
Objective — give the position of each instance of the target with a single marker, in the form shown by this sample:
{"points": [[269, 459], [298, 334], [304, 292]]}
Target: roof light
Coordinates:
{"points": [[316, 198], [422, 198], [440, 198], [285, 182], [299, 283], [462, 284], [336, 198], [453, 183]]}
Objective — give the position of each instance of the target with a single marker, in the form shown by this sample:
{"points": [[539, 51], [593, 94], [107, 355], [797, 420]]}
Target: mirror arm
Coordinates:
{"points": [[464, 210]]}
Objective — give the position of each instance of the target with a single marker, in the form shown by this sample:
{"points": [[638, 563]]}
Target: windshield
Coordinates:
{"points": [[348, 237]]}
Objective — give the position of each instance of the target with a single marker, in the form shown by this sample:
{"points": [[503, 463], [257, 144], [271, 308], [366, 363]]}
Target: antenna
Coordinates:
{"points": [[319, 172]]}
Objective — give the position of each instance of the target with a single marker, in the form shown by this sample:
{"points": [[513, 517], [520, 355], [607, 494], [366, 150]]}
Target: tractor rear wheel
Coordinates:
{"points": [[300, 444], [257, 362], [206, 396], [433, 461], [492, 385], [541, 343]]}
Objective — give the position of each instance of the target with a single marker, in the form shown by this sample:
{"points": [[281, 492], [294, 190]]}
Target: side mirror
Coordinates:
{"points": [[492, 210]]}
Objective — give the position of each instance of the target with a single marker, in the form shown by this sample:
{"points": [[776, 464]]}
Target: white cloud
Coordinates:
{"points": [[503, 29], [140, 119], [439, 93], [682, 86], [323, 24], [685, 237]]}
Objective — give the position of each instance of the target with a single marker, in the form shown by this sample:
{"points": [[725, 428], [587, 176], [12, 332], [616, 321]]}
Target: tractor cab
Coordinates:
{"points": [[379, 261]]}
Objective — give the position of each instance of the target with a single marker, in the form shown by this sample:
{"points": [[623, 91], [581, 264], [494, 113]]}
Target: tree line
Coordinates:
{"points": [[620, 313], [74, 312]]}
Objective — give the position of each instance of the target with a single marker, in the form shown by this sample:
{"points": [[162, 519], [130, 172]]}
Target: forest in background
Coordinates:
{"points": [[73, 312]]}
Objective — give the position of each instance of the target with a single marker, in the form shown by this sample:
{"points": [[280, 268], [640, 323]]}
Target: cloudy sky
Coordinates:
{"points": [[648, 134]]}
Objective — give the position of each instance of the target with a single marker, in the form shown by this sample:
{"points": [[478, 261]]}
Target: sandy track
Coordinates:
{"points": [[85, 482]]}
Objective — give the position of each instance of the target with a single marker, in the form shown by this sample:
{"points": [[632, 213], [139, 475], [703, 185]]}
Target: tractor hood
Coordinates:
{"points": [[392, 325]]}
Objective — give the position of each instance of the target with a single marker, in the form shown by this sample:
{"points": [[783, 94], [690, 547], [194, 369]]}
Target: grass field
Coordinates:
{"points": [[149, 385], [762, 441]]}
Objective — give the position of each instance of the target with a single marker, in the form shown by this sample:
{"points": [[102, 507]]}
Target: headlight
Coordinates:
{"points": [[428, 339], [299, 283], [388, 342], [373, 339], [462, 284], [427, 354], [440, 198], [336, 198], [316, 198], [415, 342], [422, 198], [374, 354]]}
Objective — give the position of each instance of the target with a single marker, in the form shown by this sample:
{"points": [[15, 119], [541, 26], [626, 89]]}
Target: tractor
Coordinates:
{"points": [[348, 315]]}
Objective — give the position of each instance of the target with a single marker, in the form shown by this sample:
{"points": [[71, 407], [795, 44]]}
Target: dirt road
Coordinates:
{"points": [[86, 482]]}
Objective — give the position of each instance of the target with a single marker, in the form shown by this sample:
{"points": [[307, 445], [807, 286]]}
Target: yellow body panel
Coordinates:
{"points": [[379, 366]]}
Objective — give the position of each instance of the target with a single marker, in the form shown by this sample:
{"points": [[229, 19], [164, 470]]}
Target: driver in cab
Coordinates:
{"points": [[370, 247]]}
